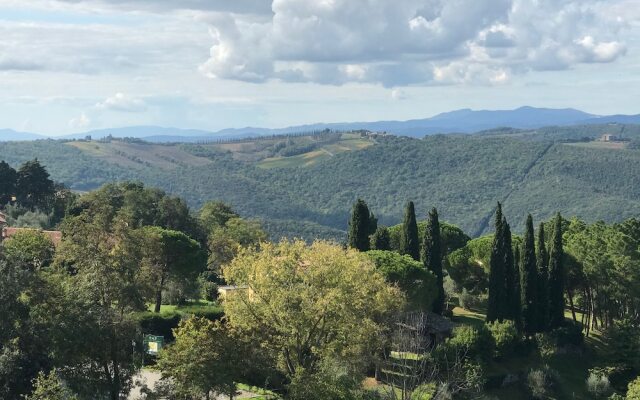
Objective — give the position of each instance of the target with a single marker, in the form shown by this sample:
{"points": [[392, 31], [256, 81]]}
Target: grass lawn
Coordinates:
{"points": [[463, 316], [189, 308]]}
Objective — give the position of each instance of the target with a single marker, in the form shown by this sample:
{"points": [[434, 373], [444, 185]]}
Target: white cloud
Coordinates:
{"points": [[122, 102], [431, 41], [80, 122], [398, 94]]}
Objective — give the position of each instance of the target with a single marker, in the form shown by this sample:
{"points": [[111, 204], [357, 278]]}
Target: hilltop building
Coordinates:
{"points": [[607, 137]]}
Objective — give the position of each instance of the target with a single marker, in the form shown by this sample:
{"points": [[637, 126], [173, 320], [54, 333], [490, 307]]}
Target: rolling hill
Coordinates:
{"points": [[462, 121], [305, 185]]}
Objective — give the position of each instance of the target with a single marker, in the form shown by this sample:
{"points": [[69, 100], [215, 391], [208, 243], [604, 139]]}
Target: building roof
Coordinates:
{"points": [[55, 236]]}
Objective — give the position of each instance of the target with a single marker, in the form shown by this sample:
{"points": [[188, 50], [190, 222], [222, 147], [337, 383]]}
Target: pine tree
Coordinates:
{"points": [[528, 279], [556, 276], [409, 243], [381, 239], [34, 189], [543, 282], [359, 226], [8, 177], [432, 257], [512, 282], [497, 293]]}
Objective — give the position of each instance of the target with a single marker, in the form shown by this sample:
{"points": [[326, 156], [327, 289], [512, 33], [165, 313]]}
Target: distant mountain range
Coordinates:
{"points": [[460, 121]]}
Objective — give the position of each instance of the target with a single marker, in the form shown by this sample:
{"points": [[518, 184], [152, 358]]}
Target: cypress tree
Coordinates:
{"points": [[381, 239], [543, 281], [432, 257], [556, 276], [409, 243], [359, 226], [8, 178], [512, 283], [497, 292], [528, 279], [373, 224], [518, 292]]}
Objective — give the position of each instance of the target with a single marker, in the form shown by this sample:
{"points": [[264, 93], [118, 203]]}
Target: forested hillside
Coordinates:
{"points": [[463, 176]]}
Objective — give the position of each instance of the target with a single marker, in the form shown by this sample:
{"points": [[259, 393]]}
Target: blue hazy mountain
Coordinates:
{"points": [[459, 121], [11, 135]]}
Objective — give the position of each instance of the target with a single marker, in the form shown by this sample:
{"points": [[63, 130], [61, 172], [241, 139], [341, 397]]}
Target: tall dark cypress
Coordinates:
{"points": [[543, 281], [528, 280], [359, 226], [556, 276], [410, 243], [8, 178], [432, 257], [381, 239], [518, 304], [512, 283], [497, 292]]}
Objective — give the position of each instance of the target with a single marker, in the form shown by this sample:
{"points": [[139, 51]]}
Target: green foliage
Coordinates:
{"points": [[409, 241], [8, 179], [469, 342], [432, 258], [170, 257], [300, 291], [624, 339], [556, 276], [497, 305], [50, 387], [469, 266], [418, 284], [34, 189], [381, 240], [472, 172], [204, 358], [633, 391], [29, 249], [540, 382], [359, 226], [224, 242], [598, 384], [542, 258], [528, 280], [506, 337], [215, 214], [426, 391]]}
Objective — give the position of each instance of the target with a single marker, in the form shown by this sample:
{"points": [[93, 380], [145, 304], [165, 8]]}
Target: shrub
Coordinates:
{"points": [[470, 342], [505, 336], [624, 339], [598, 384], [546, 345], [470, 301], [633, 391], [209, 290], [540, 382], [424, 392], [568, 335]]}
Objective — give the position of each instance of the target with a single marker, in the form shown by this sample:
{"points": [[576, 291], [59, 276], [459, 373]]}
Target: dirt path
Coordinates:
{"points": [[150, 379]]}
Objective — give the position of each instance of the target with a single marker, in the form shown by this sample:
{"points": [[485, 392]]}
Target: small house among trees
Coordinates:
{"points": [[607, 137]]}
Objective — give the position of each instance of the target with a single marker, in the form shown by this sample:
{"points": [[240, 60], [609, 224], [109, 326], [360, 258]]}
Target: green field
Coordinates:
{"points": [[325, 152]]}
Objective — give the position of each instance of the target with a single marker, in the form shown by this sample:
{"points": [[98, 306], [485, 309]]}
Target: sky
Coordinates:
{"points": [[77, 65]]}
